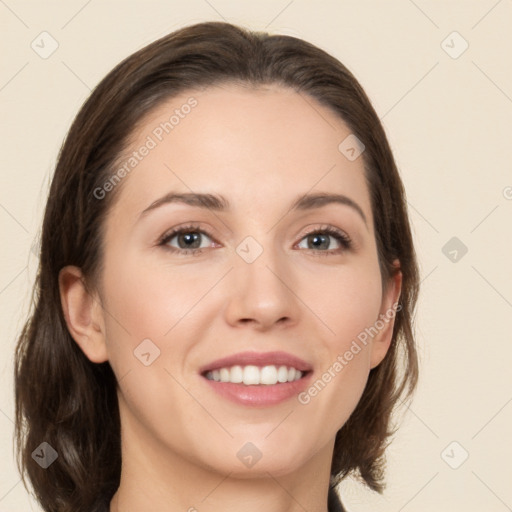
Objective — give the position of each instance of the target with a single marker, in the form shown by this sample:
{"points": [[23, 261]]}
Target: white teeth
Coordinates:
{"points": [[237, 375], [282, 374], [252, 375], [268, 375]]}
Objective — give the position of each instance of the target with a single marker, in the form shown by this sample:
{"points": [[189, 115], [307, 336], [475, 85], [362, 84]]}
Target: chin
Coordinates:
{"points": [[253, 459], [262, 469]]}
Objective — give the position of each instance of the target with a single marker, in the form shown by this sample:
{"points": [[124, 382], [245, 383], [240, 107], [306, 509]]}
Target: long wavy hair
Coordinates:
{"points": [[63, 398]]}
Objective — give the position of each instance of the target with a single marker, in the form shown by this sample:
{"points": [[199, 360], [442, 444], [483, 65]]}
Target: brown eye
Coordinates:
{"points": [[188, 240]]}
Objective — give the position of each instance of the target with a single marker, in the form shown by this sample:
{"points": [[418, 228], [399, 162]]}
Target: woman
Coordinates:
{"points": [[223, 310]]}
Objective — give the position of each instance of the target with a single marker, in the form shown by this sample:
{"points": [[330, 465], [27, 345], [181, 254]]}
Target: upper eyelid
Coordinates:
{"points": [[171, 233]]}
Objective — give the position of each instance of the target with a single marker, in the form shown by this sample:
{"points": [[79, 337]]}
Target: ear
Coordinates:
{"points": [[83, 314], [386, 320]]}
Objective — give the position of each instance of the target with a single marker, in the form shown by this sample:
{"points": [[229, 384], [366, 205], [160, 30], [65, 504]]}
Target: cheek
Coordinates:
{"points": [[346, 301], [156, 314], [347, 304], [149, 334], [149, 302]]}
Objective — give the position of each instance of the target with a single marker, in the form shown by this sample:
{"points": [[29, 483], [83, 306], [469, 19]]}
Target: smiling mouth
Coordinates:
{"points": [[252, 375]]}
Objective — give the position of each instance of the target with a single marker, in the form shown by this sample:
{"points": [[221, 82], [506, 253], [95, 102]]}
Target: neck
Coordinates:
{"points": [[226, 494]]}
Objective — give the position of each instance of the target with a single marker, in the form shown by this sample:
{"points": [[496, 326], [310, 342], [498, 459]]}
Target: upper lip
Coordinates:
{"points": [[258, 359]]}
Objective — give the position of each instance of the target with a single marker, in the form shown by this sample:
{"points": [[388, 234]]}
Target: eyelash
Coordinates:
{"points": [[343, 239]]}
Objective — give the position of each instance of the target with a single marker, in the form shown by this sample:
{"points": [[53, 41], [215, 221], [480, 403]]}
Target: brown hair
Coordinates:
{"points": [[63, 398]]}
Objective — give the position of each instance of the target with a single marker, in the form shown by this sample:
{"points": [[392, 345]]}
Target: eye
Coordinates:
{"points": [[320, 239], [188, 240]]}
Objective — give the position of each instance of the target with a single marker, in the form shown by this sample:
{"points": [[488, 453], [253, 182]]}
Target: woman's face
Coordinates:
{"points": [[247, 279]]}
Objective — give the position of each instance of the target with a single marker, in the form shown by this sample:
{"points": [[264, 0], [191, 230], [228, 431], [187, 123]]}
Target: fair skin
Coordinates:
{"points": [[262, 150]]}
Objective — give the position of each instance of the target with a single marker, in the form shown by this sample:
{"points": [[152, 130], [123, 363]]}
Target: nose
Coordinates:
{"points": [[261, 293]]}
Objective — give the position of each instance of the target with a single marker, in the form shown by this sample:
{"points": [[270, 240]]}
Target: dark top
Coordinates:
{"points": [[333, 502]]}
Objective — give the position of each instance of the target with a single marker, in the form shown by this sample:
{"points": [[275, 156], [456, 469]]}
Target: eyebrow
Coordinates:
{"points": [[221, 204]]}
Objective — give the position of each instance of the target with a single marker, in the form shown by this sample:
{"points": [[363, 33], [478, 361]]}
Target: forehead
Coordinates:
{"points": [[261, 146]]}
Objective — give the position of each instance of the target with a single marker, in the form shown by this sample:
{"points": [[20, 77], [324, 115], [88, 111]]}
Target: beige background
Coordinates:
{"points": [[448, 120]]}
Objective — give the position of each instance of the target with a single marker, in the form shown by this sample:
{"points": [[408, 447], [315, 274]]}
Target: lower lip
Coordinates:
{"points": [[259, 395]]}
